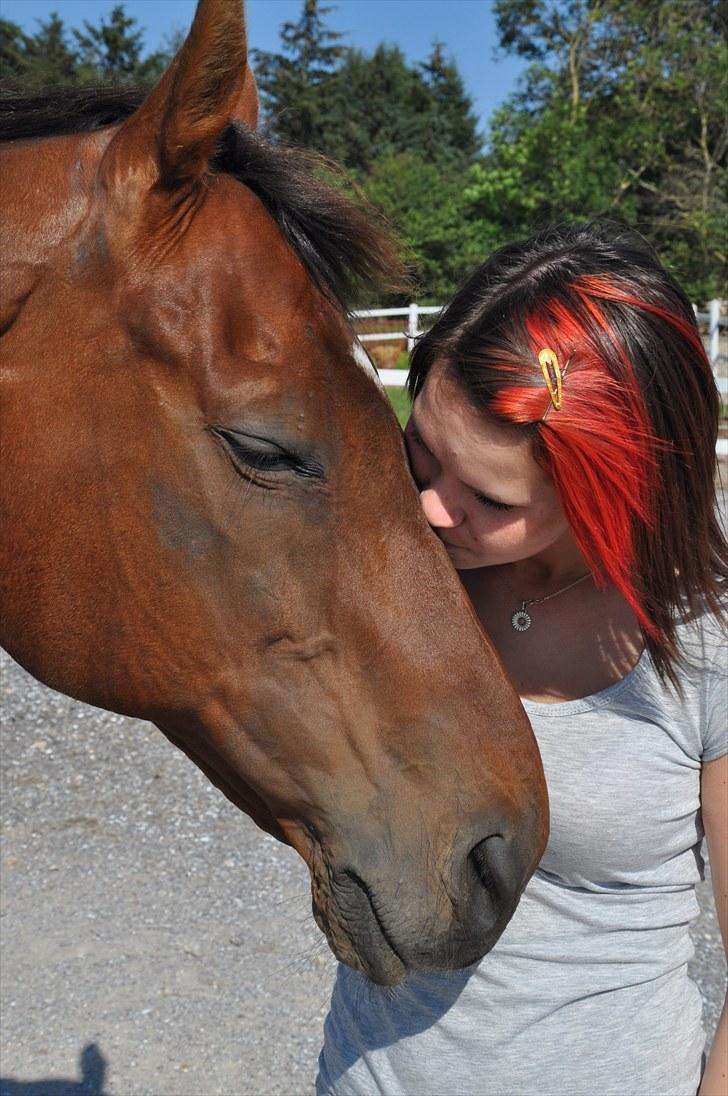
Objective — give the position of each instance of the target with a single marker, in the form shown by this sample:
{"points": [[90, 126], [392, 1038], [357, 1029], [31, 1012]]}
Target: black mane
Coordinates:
{"points": [[345, 248], [61, 111]]}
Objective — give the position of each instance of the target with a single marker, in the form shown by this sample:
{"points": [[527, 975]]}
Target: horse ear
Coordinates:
{"points": [[174, 133], [246, 108]]}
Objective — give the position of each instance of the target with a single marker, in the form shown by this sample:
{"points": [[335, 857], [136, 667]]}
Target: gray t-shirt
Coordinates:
{"points": [[587, 989]]}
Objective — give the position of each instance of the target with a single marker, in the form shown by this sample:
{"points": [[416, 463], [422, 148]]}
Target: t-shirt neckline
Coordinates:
{"points": [[594, 700]]}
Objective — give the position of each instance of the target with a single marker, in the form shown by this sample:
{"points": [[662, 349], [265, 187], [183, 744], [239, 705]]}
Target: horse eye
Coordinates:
{"points": [[265, 456], [257, 453]]}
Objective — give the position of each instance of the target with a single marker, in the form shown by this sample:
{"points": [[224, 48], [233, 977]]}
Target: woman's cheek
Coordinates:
{"points": [[498, 528]]}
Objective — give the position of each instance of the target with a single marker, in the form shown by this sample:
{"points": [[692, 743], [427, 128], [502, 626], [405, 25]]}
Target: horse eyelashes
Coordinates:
{"points": [[261, 455], [262, 462]]}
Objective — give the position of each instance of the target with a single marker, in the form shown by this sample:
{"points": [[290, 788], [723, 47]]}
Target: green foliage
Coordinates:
{"points": [[291, 84], [111, 52], [400, 402], [375, 107], [357, 108], [427, 205], [622, 114], [28, 63], [108, 53], [406, 133], [451, 124]]}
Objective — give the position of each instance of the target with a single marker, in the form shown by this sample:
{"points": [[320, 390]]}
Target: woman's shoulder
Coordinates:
{"points": [[691, 712], [702, 637], [703, 640]]}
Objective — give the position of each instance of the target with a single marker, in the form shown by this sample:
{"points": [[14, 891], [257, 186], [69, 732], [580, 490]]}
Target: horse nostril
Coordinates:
{"points": [[496, 868], [478, 857]]}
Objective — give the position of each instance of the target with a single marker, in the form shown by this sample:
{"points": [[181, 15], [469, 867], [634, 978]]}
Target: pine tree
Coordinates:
{"points": [[291, 84], [28, 63], [453, 126], [53, 61], [14, 60], [111, 52], [376, 106]]}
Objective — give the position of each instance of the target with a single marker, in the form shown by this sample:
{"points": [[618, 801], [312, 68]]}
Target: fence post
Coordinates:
{"points": [[714, 334], [412, 316]]}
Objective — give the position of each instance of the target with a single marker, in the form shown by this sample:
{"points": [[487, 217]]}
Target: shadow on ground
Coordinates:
{"points": [[92, 1065]]}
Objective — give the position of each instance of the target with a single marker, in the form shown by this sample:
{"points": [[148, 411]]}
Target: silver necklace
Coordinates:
{"points": [[521, 620]]}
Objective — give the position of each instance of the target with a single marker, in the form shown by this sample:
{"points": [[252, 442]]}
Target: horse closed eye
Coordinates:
{"points": [[260, 455]]}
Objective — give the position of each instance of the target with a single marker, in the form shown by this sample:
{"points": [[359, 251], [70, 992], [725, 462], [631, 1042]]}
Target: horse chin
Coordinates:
{"points": [[356, 934]]}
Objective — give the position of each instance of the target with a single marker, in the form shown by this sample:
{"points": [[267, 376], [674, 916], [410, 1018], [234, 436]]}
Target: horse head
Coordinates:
{"points": [[209, 522]]}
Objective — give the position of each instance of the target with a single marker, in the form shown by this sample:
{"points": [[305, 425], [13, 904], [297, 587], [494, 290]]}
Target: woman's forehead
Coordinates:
{"points": [[475, 444]]}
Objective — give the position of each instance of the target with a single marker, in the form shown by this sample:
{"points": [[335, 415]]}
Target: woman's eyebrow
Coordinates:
{"points": [[412, 424]]}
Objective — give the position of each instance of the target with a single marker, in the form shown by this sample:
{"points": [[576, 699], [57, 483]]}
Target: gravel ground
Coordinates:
{"points": [[153, 940], [144, 917]]}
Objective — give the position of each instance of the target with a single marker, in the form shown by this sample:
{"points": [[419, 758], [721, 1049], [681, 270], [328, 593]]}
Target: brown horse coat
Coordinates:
{"points": [[208, 521]]}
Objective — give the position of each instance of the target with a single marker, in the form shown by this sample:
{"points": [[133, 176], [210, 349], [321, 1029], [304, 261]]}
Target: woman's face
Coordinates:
{"points": [[481, 489]]}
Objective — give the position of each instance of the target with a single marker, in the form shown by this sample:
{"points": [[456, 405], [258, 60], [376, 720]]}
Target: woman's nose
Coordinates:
{"points": [[441, 512]]}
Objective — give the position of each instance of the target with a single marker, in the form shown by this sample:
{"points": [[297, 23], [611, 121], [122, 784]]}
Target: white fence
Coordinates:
{"points": [[711, 320], [717, 353], [396, 377]]}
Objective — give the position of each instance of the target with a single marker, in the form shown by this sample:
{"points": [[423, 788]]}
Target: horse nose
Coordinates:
{"points": [[495, 873], [381, 924], [488, 885]]}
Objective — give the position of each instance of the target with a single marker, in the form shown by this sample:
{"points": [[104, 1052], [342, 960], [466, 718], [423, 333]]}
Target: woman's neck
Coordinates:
{"points": [[559, 564]]}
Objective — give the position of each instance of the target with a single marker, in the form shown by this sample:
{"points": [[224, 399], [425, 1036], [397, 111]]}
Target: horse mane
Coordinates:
{"points": [[62, 111], [345, 246]]}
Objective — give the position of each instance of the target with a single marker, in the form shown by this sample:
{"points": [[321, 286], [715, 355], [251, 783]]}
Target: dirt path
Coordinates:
{"points": [[153, 940]]}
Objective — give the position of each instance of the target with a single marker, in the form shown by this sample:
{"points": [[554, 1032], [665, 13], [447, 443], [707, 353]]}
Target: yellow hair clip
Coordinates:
{"points": [[552, 375]]}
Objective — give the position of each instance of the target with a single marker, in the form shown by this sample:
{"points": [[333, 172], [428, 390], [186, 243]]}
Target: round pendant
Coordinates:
{"points": [[521, 621]]}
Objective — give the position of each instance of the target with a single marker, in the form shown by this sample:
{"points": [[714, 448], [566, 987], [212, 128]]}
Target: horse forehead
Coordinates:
{"points": [[266, 287]]}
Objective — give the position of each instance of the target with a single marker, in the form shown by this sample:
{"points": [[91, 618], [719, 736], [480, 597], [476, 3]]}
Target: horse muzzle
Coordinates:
{"points": [[379, 924]]}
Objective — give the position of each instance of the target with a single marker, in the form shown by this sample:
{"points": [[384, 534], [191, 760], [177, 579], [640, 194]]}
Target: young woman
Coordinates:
{"points": [[563, 437]]}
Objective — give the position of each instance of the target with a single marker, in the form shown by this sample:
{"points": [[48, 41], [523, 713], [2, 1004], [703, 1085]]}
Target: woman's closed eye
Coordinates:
{"points": [[413, 438], [492, 503]]}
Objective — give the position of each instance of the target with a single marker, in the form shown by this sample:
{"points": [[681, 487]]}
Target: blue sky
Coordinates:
{"points": [[467, 28]]}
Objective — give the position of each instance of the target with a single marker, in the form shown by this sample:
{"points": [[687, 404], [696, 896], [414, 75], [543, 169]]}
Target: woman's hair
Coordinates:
{"points": [[631, 451]]}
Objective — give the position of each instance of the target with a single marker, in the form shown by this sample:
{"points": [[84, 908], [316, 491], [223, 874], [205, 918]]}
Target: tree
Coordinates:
{"points": [[13, 55], [357, 108], [452, 128], [43, 60], [428, 208], [622, 114], [54, 61], [291, 83], [406, 134], [111, 52], [377, 106]]}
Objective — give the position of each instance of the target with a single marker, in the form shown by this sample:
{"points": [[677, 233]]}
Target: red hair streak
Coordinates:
{"points": [[605, 489], [631, 451]]}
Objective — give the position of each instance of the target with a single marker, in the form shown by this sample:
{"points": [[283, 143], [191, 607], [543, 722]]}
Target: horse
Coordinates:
{"points": [[208, 519]]}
